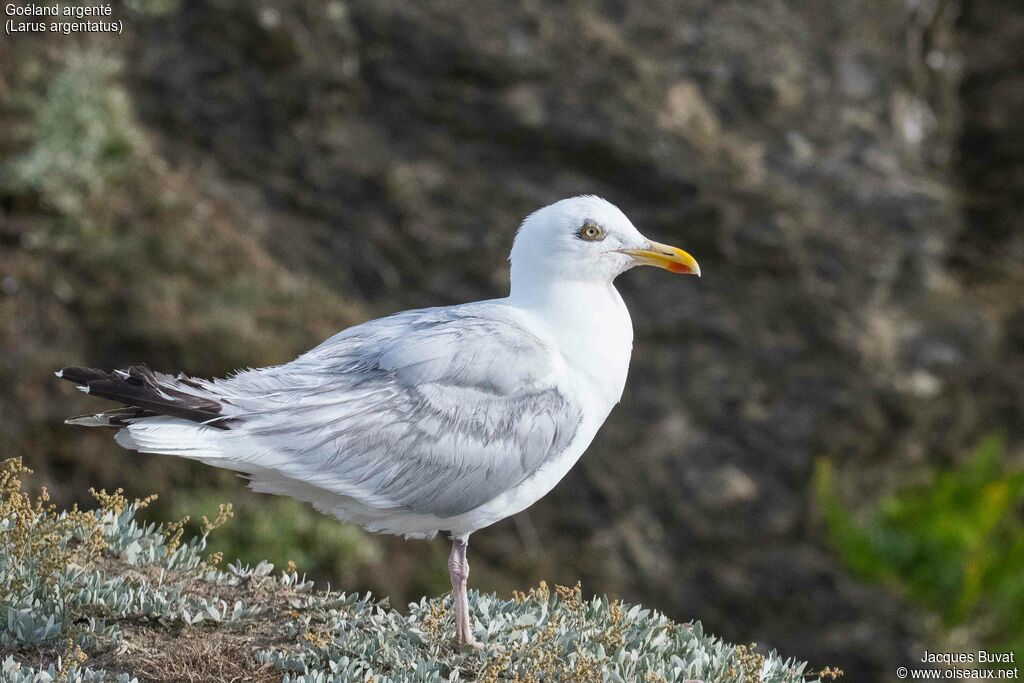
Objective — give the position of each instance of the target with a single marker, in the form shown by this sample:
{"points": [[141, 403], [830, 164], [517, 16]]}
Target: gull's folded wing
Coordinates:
{"points": [[434, 411]]}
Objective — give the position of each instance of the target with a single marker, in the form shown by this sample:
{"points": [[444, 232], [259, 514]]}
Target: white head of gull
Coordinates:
{"points": [[439, 419]]}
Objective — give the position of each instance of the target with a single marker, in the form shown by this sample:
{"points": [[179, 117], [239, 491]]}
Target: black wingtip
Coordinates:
{"points": [[81, 376], [140, 388]]}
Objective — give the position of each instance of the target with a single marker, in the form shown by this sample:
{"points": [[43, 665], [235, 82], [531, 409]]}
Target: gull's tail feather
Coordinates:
{"points": [[146, 394], [175, 436]]}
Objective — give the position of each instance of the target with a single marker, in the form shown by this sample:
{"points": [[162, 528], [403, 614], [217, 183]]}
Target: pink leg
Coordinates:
{"points": [[458, 567]]}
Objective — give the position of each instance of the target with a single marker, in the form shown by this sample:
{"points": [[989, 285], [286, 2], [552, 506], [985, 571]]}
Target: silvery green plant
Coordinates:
{"points": [[12, 672], [547, 636], [149, 573]]}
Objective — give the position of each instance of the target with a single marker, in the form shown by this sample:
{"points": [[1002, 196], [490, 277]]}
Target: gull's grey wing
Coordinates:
{"points": [[434, 411]]}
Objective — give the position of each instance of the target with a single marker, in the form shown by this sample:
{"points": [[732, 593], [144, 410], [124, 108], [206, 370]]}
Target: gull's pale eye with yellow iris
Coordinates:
{"points": [[591, 232]]}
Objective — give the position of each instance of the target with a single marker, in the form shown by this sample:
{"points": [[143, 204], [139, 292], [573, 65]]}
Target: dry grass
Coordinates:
{"points": [[211, 652], [191, 656]]}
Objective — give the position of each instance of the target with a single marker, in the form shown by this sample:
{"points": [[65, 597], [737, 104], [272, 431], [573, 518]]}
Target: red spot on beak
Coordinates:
{"points": [[679, 268]]}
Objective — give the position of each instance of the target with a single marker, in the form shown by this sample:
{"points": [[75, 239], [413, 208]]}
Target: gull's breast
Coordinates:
{"points": [[592, 356]]}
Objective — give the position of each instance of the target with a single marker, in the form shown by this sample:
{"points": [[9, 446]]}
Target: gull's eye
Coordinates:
{"points": [[592, 232]]}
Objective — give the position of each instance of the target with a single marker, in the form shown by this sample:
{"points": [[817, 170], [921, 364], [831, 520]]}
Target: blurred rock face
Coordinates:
{"points": [[805, 157]]}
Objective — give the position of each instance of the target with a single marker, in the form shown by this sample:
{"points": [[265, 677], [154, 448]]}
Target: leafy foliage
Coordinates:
{"points": [[955, 545], [100, 587]]}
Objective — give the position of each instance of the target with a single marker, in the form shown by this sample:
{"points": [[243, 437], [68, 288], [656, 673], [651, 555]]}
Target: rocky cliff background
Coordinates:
{"points": [[229, 182]]}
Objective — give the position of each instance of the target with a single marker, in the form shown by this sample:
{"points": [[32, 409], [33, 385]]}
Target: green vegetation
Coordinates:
{"points": [[282, 530], [96, 596], [956, 545], [84, 136]]}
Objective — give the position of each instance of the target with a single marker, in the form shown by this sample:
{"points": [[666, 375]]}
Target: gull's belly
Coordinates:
{"points": [[595, 365]]}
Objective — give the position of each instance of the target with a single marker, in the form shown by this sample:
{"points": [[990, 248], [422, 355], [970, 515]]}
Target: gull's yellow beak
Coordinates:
{"points": [[664, 256]]}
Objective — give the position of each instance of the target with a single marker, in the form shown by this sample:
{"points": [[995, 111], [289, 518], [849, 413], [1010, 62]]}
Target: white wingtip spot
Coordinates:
{"points": [[59, 373], [83, 389]]}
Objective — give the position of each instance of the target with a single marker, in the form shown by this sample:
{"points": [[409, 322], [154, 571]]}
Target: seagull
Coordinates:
{"points": [[438, 419]]}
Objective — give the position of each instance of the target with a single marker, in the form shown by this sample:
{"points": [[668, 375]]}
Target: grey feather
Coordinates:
{"points": [[434, 411]]}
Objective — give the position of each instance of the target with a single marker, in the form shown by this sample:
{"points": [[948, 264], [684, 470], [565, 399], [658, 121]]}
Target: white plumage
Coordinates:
{"points": [[442, 419]]}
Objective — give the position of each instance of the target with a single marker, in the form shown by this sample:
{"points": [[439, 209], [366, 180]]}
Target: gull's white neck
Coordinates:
{"points": [[590, 326]]}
